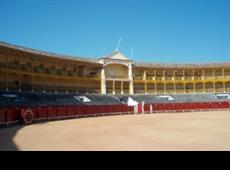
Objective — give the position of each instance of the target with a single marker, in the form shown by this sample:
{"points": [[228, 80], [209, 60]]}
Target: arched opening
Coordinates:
{"points": [[81, 86], [189, 88], [118, 87], [209, 87], [179, 88], [2, 80], [219, 87], [160, 88], [109, 87], [13, 81], [139, 88], [227, 72], [93, 86], [50, 84], [218, 73], [227, 86], [26, 83], [38, 83], [169, 88], [151, 87], [199, 87], [188, 74], [126, 87]]}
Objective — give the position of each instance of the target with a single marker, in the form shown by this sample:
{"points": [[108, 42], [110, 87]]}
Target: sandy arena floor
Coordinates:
{"points": [[167, 131]]}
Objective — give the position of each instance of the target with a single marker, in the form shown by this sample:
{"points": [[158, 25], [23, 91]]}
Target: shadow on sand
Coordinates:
{"points": [[7, 138], [7, 135]]}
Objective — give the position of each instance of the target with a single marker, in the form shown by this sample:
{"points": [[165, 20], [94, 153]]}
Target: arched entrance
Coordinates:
{"points": [[116, 76]]}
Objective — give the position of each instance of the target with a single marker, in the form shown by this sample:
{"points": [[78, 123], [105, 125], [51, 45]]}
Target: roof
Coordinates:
{"points": [[117, 55], [48, 54]]}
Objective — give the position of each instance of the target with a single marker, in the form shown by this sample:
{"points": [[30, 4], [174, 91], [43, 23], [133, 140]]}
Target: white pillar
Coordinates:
{"points": [[103, 81], [114, 87], [122, 87], [130, 75]]}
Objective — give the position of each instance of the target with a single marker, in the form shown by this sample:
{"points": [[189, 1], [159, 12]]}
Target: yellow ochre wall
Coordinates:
{"points": [[23, 71], [183, 80]]}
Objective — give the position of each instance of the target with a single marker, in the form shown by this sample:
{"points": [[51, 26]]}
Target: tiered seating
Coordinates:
{"points": [[27, 99], [177, 98], [194, 97], [11, 99]]}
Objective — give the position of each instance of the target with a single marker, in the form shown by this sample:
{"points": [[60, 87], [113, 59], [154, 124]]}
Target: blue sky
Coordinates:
{"points": [[159, 30]]}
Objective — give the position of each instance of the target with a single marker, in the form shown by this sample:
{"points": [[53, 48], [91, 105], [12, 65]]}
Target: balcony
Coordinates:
{"points": [[149, 78], [179, 78], [218, 77], [116, 76], [188, 78], [168, 78], [227, 76], [159, 78], [197, 77]]}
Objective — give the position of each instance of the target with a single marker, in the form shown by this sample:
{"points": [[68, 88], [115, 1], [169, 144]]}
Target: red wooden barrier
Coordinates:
{"points": [[35, 112], [42, 113], [70, 111], [9, 115], [51, 112], [98, 109], [107, 109], [91, 110], [125, 109], [155, 107], [116, 108], [2, 116], [61, 112], [226, 105], [147, 108], [139, 108], [76, 110], [161, 106], [12, 115], [80, 110], [131, 109], [185, 106]]}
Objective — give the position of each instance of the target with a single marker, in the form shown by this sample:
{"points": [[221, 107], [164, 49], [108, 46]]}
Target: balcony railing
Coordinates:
{"points": [[149, 78], [159, 78], [197, 78], [188, 78], [178, 78], [168, 78], [218, 77]]}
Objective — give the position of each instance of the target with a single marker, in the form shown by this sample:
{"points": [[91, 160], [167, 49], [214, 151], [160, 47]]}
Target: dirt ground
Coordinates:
{"points": [[166, 131]]}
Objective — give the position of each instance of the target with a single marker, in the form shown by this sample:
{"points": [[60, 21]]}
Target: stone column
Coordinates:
{"points": [[146, 89], [144, 75], [103, 81], [122, 88], [114, 87], [130, 76], [223, 80]]}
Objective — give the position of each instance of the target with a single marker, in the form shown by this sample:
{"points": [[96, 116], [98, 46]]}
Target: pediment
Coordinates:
{"points": [[117, 56]]}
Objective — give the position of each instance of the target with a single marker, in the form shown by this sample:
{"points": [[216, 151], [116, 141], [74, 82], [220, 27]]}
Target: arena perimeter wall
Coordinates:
{"points": [[12, 115]]}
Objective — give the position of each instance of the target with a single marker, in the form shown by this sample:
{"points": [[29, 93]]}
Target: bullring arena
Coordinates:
{"points": [[50, 101]]}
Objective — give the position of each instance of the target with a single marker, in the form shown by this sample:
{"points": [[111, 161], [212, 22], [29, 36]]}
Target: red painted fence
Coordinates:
{"points": [[13, 115]]}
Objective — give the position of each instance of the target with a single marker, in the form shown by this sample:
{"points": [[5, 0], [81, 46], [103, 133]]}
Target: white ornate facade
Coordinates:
{"points": [[116, 69]]}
